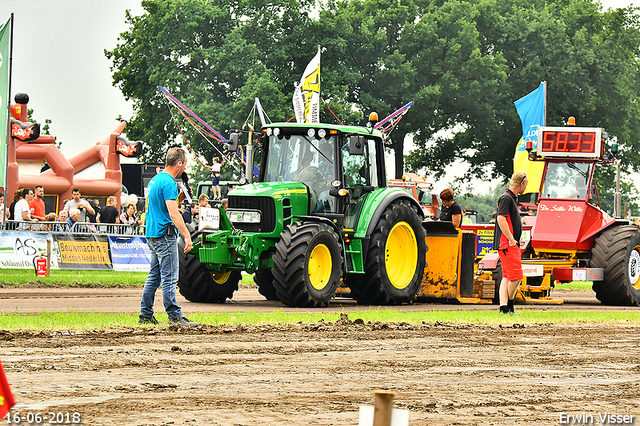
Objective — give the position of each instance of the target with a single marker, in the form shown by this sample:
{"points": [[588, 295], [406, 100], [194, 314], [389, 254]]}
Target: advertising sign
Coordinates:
{"points": [[83, 252], [130, 254], [19, 250]]}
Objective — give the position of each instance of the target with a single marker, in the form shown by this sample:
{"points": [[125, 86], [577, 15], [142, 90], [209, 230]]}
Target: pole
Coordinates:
{"points": [[8, 118], [544, 116], [249, 153], [616, 207], [382, 408]]}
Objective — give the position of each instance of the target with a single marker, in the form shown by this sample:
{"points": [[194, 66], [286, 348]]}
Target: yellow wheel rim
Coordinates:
{"points": [[220, 277], [320, 266], [634, 268], [401, 255]]}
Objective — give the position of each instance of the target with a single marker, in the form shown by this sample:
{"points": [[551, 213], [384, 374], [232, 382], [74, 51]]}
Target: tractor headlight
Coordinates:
{"points": [[244, 216]]}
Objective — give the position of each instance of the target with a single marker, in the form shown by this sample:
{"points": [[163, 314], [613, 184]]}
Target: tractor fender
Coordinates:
{"points": [[601, 229], [320, 219], [388, 199]]}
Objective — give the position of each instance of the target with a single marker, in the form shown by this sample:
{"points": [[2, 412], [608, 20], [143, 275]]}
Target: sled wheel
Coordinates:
{"points": [[617, 252], [307, 265]]}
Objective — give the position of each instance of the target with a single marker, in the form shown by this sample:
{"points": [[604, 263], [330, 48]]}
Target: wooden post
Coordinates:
{"points": [[48, 256], [382, 408]]}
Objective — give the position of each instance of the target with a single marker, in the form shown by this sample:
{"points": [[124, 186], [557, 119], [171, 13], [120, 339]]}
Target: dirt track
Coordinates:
{"points": [[319, 374]]}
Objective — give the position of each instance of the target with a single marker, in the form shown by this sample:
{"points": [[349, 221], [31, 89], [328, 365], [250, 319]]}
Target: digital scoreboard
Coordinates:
{"points": [[584, 142]]}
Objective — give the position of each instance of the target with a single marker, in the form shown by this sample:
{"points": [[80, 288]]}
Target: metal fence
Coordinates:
{"points": [[78, 228]]}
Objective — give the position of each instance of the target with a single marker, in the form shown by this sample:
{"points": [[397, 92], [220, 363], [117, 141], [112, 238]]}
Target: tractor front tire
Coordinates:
{"points": [[395, 261], [197, 283], [617, 252], [264, 280], [307, 265]]}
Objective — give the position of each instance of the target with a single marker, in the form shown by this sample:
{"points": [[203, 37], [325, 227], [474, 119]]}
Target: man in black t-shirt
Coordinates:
{"points": [[506, 240], [109, 214]]}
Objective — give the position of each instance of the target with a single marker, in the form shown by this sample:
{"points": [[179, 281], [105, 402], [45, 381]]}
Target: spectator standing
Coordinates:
{"points": [[22, 211], [506, 239], [195, 212], [16, 197], [77, 202], [3, 209], [203, 200], [37, 204], [161, 219], [215, 178], [185, 213], [92, 218], [109, 214], [450, 211], [129, 217]]}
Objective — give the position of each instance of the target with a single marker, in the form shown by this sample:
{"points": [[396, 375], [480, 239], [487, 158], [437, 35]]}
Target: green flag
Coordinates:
{"points": [[5, 40]]}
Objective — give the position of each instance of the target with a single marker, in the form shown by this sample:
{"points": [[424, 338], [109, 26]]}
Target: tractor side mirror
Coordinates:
{"points": [[356, 145], [232, 145]]}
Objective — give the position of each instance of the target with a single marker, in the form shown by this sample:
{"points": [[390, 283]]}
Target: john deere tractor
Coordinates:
{"points": [[320, 216]]}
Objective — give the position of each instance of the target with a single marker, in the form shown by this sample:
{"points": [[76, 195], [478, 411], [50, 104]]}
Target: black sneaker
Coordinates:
{"points": [[183, 322], [148, 320]]}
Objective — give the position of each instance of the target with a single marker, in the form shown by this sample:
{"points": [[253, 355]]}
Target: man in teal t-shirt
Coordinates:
{"points": [[162, 218]]}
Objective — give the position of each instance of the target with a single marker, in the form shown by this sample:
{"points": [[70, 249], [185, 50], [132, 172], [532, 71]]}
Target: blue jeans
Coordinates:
{"points": [[164, 271]]}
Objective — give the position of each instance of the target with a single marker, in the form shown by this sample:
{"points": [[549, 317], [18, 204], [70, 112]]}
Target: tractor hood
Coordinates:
{"points": [[277, 190], [282, 195]]}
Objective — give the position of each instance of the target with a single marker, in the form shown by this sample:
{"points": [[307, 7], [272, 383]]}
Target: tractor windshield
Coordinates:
{"points": [[303, 159], [567, 180]]}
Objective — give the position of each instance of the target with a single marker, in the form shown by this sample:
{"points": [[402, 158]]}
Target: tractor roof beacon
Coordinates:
{"points": [[319, 217], [572, 236]]}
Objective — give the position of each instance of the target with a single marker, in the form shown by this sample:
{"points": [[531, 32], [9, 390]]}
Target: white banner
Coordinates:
{"points": [[18, 250], [307, 93]]}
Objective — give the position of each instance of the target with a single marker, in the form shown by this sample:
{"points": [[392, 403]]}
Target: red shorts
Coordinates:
{"points": [[511, 259]]}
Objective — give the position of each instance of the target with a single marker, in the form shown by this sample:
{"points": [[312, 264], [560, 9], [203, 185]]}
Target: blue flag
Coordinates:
{"points": [[531, 111]]}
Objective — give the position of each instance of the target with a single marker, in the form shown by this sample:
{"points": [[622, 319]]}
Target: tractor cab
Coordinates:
{"points": [[337, 165], [569, 215]]}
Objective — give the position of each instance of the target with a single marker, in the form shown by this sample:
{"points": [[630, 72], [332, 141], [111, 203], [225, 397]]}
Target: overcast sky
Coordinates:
{"points": [[58, 59]]}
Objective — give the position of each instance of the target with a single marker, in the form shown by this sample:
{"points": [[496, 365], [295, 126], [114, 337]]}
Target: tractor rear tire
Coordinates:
{"points": [[395, 261], [307, 265], [264, 280], [197, 283], [617, 252]]}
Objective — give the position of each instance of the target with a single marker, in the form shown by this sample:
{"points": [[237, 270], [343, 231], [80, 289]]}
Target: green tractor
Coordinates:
{"points": [[320, 217]]}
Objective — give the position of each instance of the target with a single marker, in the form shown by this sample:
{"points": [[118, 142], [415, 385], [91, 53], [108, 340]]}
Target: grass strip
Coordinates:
{"points": [[55, 321], [16, 278]]}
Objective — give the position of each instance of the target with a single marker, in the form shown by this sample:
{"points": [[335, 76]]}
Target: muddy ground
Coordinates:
{"points": [[319, 374]]}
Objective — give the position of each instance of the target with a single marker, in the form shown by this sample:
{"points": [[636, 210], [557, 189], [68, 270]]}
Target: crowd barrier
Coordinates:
{"points": [[87, 246]]}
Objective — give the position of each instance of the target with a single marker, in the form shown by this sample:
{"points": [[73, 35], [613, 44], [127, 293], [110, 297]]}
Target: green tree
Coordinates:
{"points": [[387, 53], [214, 56], [463, 63]]}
